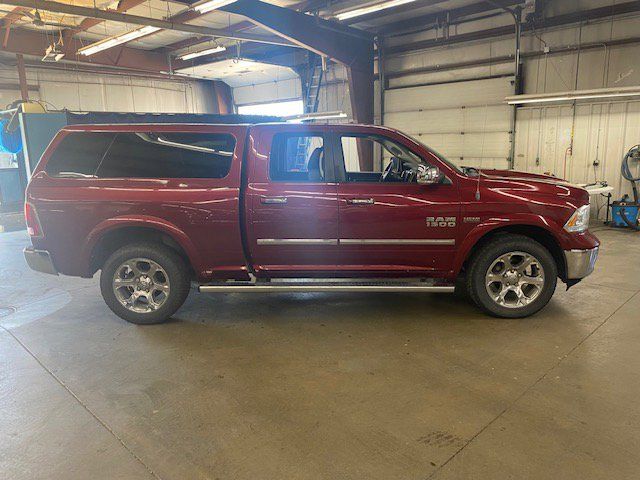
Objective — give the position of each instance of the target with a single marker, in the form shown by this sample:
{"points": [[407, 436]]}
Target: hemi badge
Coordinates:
{"points": [[471, 219]]}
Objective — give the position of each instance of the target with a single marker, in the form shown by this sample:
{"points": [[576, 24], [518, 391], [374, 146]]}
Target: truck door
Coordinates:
{"points": [[387, 221], [293, 214]]}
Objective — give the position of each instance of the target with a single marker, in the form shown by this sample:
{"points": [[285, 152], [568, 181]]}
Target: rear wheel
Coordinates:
{"points": [[512, 276], [144, 283]]}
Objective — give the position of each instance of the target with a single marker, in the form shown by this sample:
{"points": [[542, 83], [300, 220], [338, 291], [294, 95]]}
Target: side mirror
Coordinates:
{"points": [[428, 175]]}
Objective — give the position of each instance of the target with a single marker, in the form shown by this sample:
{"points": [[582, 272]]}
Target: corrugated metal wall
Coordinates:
{"points": [[603, 133], [117, 93]]}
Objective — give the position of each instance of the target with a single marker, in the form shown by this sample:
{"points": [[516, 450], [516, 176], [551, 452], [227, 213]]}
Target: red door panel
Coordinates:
{"points": [[397, 227], [389, 223], [292, 225]]}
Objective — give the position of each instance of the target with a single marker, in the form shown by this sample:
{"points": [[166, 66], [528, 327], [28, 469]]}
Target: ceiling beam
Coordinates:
{"points": [[424, 21], [58, 7], [9, 19], [31, 42], [407, 7], [188, 42], [185, 16], [184, 43], [188, 3], [343, 44], [16, 14], [280, 56], [189, 14], [88, 23], [310, 5], [555, 21]]}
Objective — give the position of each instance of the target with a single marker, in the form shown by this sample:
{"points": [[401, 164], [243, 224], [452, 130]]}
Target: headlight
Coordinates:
{"points": [[579, 221]]}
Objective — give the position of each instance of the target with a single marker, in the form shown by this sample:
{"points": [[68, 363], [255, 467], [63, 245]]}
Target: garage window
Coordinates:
{"points": [[168, 155], [78, 154]]}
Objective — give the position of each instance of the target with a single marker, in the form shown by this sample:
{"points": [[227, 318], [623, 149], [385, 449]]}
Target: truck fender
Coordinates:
{"points": [[144, 221], [492, 224]]}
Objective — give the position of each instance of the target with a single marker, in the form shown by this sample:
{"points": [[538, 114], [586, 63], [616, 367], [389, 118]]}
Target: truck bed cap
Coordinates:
{"points": [[110, 118]]}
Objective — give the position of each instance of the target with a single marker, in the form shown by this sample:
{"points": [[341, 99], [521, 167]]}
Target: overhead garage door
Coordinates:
{"points": [[468, 122]]}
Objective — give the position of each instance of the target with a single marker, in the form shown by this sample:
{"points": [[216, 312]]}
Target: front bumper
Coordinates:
{"points": [[39, 260], [580, 263]]}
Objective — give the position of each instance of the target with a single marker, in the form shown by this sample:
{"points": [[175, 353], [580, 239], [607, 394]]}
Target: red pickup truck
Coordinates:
{"points": [[295, 207]]}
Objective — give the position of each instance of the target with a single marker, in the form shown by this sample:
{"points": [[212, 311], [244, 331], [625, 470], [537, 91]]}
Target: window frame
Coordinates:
{"points": [[279, 139]]}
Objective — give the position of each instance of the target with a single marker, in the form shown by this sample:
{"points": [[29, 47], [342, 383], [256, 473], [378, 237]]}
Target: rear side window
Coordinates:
{"points": [[78, 154], [168, 155], [297, 158]]}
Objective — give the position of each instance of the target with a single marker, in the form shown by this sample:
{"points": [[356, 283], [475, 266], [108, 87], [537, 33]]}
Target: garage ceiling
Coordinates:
{"points": [[30, 31]]}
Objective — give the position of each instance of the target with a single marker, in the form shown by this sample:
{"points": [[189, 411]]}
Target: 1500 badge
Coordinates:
{"points": [[441, 221]]}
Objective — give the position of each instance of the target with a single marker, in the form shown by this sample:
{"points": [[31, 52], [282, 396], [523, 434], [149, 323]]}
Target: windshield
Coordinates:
{"points": [[443, 159]]}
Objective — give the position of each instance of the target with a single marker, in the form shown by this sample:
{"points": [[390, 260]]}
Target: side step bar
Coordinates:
{"points": [[269, 287]]}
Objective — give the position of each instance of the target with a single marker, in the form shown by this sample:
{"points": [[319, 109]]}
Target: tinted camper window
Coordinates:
{"points": [[168, 155], [78, 154]]}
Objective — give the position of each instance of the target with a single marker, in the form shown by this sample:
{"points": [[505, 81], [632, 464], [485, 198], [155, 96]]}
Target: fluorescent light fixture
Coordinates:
{"points": [[210, 5], [208, 51], [371, 8], [575, 95], [117, 40], [309, 117], [52, 54]]}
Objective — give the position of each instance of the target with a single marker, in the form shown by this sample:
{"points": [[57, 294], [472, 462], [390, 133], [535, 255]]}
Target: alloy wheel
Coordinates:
{"points": [[141, 285], [515, 279]]}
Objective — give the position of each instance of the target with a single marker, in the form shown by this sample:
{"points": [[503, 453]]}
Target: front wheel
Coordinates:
{"points": [[144, 283], [512, 276]]}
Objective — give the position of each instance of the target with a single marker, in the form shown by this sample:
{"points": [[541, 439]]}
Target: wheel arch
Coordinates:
{"points": [[114, 233], [542, 235]]}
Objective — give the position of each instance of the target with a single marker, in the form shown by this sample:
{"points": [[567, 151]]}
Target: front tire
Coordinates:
{"points": [[512, 276], [144, 283]]}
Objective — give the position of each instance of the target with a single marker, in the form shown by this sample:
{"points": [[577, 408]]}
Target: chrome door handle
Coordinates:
{"points": [[273, 200], [361, 201]]}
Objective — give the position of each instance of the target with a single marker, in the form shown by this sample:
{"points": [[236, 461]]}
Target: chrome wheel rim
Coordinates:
{"points": [[515, 279], [141, 285]]}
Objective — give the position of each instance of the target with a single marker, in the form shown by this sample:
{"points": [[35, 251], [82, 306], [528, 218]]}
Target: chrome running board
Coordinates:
{"points": [[318, 285]]}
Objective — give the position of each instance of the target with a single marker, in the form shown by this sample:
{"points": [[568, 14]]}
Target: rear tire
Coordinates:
{"points": [[512, 276], [144, 283]]}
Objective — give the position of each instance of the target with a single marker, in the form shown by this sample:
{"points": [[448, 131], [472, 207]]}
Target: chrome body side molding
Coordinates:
{"points": [[356, 241], [297, 241], [397, 241]]}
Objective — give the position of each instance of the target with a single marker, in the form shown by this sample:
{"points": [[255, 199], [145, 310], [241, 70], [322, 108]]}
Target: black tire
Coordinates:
{"points": [[491, 252], [176, 271]]}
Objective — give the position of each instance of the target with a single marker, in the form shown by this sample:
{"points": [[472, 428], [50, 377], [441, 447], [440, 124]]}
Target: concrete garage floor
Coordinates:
{"points": [[320, 386]]}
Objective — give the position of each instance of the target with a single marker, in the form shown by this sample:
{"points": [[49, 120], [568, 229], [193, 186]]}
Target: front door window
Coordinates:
{"points": [[374, 158]]}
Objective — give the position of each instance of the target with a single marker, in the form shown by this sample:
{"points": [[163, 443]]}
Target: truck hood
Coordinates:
{"points": [[531, 185]]}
